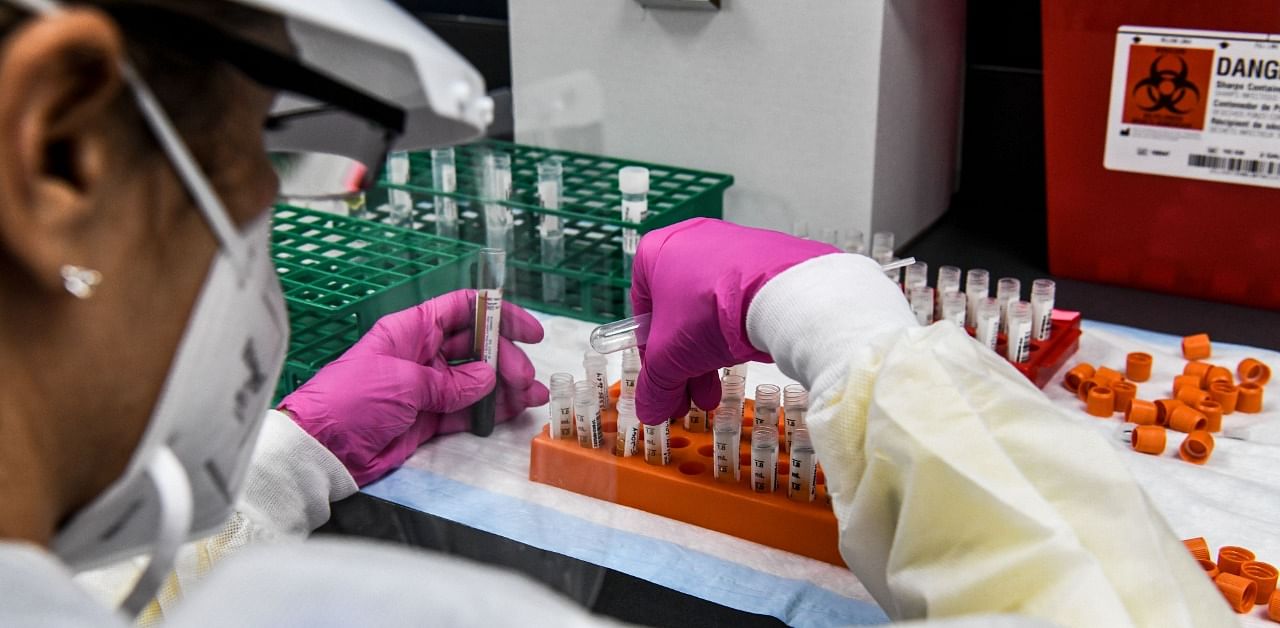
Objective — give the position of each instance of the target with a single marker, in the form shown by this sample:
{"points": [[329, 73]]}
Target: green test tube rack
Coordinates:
{"points": [[597, 286]]}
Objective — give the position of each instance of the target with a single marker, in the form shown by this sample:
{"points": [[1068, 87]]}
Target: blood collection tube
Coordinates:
{"points": [[628, 429], [596, 367], [444, 178], [953, 307], [726, 438], [795, 404], [561, 419], [1018, 348], [488, 320], [977, 286], [1042, 293], [767, 398], [657, 443], [921, 298], [803, 470], [586, 411], [551, 228], [916, 275], [733, 391], [987, 323], [764, 458], [698, 420], [1008, 290], [630, 373]]}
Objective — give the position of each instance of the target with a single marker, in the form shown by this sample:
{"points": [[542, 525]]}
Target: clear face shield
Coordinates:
{"points": [[353, 80]]}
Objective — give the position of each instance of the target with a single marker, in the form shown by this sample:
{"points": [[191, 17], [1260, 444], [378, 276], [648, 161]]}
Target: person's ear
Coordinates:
{"points": [[59, 78]]}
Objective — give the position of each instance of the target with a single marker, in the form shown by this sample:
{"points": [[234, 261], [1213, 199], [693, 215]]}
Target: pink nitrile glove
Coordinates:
{"points": [[394, 389], [697, 278]]}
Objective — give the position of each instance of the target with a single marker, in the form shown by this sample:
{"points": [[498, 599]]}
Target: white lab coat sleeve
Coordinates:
{"points": [[957, 486]]}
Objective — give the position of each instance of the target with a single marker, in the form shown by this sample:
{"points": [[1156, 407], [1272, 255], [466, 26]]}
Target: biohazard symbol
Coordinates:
{"points": [[1166, 89]]}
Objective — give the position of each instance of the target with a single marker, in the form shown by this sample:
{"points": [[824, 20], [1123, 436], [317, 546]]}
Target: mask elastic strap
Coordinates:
{"points": [[173, 493]]}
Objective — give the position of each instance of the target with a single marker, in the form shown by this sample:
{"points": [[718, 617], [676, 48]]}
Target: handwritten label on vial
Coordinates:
{"points": [[602, 389]]}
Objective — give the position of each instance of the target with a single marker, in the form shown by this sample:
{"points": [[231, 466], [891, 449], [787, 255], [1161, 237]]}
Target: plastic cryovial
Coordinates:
{"points": [[630, 373], [803, 470], [921, 300], [628, 429], [882, 246], [737, 369], [1042, 293], [697, 420], [657, 444], [854, 242], [830, 236], [492, 270], [733, 392], [953, 308], [401, 202], [444, 178], [561, 415], [726, 439], [1008, 290], [795, 404], [586, 411], [764, 459], [916, 275], [987, 324], [551, 228], [948, 281], [977, 286], [633, 183], [596, 367], [768, 398], [1018, 347]]}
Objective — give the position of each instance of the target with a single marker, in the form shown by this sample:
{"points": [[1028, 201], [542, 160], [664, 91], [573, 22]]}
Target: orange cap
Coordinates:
{"points": [[1198, 548], [1187, 419], [1125, 392], [1209, 567], [1240, 592], [1217, 374], [1231, 557], [1226, 395], [1196, 368], [1196, 347], [1196, 449], [1102, 402], [1078, 374], [1141, 412], [1108, 376], [1212, 412], [1137, 366], [1263, 575], [1185, 381], [1250, 398], [1251, 370], [1163, 408], [1083, 391], [1149, 439], [1192, 396], [1273, 609]]}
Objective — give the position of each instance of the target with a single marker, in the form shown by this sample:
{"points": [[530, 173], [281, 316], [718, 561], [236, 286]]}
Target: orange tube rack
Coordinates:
{"points": [[685, 489]]}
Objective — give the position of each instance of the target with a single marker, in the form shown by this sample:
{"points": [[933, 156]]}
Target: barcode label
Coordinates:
{"points": [[1235, 164]]}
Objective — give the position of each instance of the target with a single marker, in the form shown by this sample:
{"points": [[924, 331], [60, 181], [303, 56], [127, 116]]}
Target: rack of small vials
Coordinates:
{"points": [[339, 275], [746, 468], [569, 221]]}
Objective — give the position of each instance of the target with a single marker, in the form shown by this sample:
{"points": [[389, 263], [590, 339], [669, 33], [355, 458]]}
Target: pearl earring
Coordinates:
{"points": [[79, 281]]}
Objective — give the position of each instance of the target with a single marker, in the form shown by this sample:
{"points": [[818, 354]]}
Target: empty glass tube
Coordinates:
{"points": [[726, 439], [1042, 294], [586, 411], [921, 299], [768, 397], [561, 406], [550, 227], [492, 270], [1008, 290], [953, 307], [977, 286], [444, 177], [657, 443], [628, 429], [1018, 348], [733, 391], [795, 403], [764, 458], [596, 367], [987, 324], [802, 482]]}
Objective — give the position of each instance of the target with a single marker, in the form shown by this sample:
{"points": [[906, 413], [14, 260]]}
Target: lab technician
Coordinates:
{"points": [[143, 331]]}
